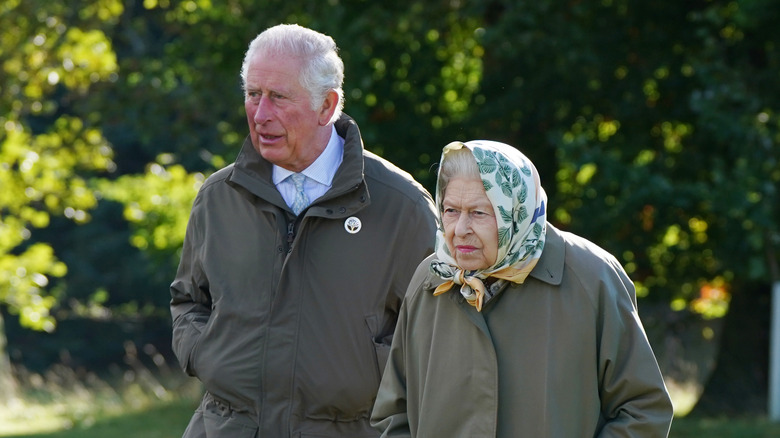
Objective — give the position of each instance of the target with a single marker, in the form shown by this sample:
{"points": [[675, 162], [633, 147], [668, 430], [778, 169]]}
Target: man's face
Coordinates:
{"points": [[283, 127]]}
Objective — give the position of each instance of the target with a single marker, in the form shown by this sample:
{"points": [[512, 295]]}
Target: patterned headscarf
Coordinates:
{"points": [[519, 202]]}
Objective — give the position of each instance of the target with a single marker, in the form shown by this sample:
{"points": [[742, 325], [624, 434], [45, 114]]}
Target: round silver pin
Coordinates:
{"points": [[352, 225]]}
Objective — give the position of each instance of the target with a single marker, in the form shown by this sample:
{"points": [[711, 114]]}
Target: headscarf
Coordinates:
{"points": [[512, 185]]}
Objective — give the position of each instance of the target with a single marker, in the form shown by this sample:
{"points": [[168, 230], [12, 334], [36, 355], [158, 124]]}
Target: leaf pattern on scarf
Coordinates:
{"points": [[512, 184]]}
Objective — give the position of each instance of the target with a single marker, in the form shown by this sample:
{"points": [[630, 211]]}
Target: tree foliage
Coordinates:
{"points": [[655, 126], [48, 153]]}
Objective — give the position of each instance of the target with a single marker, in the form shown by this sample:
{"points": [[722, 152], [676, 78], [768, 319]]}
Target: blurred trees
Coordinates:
{"points": [[654, 126], [49, 152]]}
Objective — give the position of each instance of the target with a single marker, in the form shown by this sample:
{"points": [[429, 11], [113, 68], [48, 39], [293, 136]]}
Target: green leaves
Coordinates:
{"points": [[654, 125], [46, 157], [157, 203]]}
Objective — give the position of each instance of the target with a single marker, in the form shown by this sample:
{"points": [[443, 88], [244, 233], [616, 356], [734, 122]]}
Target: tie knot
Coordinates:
{"points": [[297, 179]]}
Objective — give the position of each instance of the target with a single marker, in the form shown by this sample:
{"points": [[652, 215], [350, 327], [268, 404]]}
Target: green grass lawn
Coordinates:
{"points": [[724, 428], [162, 421], [137, 402], [168, 420], [64, 405]]}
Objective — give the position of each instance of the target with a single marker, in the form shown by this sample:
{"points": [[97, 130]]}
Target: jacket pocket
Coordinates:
{"points": [[382, 354], [221, 421], [187, 331], [381, 347]]}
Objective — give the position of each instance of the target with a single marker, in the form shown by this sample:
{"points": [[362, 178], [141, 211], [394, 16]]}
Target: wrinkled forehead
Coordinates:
{"points": [[263, 67]]}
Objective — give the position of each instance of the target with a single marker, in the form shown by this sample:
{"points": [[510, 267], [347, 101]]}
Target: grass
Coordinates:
{"points": [[145, 397], [165, 420], [139, 402], [168, 420], [724, 428]]}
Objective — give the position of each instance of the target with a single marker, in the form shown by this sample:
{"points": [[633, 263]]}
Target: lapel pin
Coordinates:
{"points": [[352, 225]]}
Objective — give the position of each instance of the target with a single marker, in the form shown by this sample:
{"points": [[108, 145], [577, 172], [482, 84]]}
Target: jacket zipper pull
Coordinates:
{"points": [[290, 235]]}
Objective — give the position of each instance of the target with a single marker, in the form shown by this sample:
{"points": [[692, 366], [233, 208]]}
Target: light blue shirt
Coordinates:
{"points": [[319, 175]]}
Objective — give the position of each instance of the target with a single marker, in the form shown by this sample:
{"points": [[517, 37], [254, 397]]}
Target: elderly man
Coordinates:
{"points": [[297, 257]]}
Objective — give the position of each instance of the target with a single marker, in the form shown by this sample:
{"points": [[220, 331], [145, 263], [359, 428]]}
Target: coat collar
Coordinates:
{"points": [[549, 268], [347, 195]]}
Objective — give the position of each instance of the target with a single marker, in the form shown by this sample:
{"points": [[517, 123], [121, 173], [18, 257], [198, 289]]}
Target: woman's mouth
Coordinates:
{"points": [[466, 248]]}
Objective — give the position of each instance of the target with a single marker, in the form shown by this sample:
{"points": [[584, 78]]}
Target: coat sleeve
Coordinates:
{"points": [[415, 241], [634, 399], [389, 413], [190, 298]]}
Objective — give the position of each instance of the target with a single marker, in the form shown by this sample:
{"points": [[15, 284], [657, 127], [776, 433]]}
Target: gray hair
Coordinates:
{"points": [[323, 69], [456, 163]]}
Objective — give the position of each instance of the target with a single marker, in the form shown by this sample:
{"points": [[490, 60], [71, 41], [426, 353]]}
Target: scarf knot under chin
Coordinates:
{"points": [[472, 285], [472, 288]]}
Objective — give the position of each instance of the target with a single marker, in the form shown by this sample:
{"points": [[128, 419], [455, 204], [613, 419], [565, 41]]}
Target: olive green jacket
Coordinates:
{"points": [[563, 355], [287, 321]]}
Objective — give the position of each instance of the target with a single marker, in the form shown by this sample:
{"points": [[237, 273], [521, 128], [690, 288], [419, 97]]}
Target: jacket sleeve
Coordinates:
{"points": [[190, 298], [389, 413], [634, 399], [416, 240]]}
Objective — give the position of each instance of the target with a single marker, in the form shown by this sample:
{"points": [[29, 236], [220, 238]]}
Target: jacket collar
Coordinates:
{"points": [[549, 268], [347, 195]]}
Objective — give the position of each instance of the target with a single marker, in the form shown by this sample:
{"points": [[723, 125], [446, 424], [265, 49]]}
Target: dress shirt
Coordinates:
{"points": [[319, 175]]}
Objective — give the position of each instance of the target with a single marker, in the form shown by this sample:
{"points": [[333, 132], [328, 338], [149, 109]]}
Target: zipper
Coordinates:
{"points": [[290, 235]]}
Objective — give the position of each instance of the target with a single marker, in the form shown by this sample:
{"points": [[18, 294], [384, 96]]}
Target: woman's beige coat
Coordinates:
{"points": [[563, 355]]}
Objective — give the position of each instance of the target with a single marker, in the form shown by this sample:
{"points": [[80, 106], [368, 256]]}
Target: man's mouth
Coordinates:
{"points": [[268, 137]]}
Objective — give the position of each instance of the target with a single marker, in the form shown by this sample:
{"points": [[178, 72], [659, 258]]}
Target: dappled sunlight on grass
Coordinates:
{"points": [[146, 398], [66, 399], [161, 420]]}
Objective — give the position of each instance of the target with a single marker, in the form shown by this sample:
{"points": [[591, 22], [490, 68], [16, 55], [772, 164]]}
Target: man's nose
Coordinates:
{"points": [[262, 111]]}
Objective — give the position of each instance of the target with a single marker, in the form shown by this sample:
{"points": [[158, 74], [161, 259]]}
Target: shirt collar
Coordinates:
{"points": [[323, 169]]}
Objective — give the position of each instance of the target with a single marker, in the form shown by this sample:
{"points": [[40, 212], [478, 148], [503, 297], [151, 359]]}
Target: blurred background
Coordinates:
{"points": [[655, 127]]}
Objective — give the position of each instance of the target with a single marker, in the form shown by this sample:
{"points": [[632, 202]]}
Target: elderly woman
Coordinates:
{"points": [[514, 328]]}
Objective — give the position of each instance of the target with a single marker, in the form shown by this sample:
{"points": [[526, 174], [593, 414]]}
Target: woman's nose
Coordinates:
{"points": [[463, 226]]}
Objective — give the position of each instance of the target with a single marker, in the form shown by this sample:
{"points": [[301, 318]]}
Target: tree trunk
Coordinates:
{"points": [[8, 387], [738, 385]]}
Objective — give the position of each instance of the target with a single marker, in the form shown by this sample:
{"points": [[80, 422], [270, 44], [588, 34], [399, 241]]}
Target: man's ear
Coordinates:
{"points": [[328, 107]]}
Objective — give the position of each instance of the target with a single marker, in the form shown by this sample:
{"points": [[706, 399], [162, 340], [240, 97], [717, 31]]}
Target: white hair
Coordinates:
{"points": [[323, 69], [454, 164]]}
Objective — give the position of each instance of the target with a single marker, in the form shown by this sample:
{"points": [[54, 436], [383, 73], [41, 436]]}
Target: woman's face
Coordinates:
{"points": [[470, 228]]}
